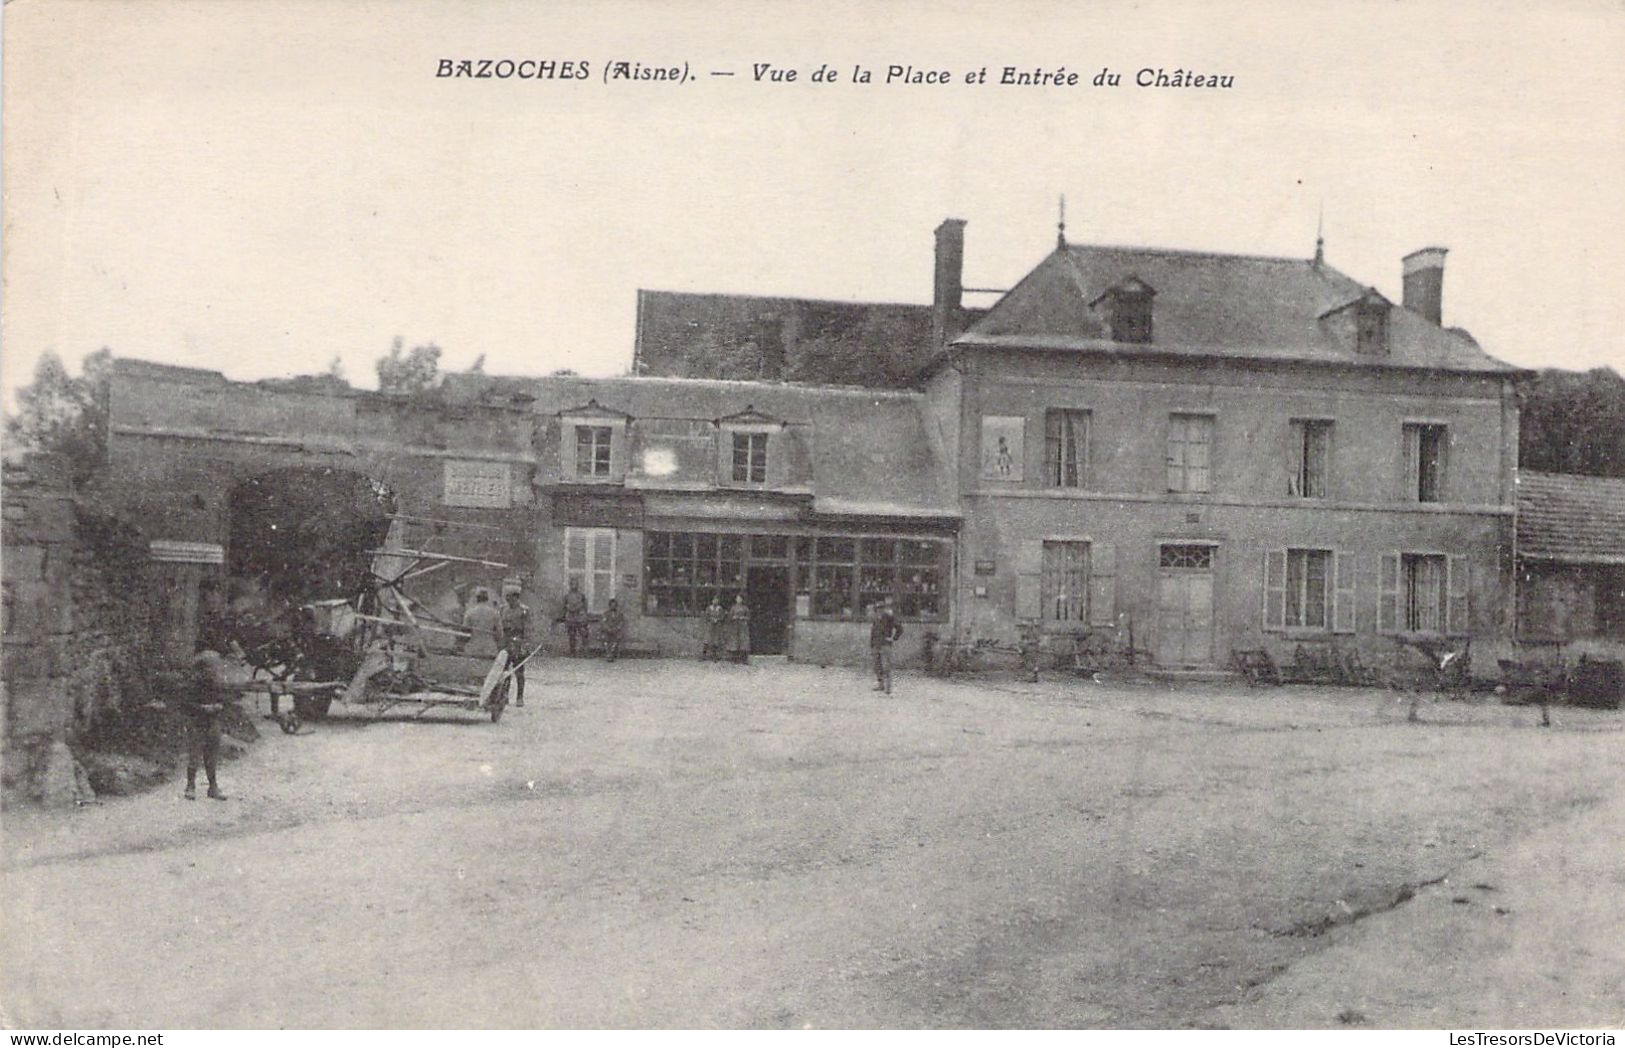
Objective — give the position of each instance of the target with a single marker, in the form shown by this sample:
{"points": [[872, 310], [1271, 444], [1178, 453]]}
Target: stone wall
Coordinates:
{"points": [[75, 630]]}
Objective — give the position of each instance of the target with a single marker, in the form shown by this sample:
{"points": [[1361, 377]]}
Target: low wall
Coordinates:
{"points": [[74, 630]]}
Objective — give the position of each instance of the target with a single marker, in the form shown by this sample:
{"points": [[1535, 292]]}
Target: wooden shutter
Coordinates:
{"points": [[1029, 580], [1460, 589], [1274, 589], [1344, 614], [617, 451], [567, 451], [1412, 463], [1176, 453], [1294, 458], [725, 457], [1199, 453], [1388, 617], [1102, 584]]}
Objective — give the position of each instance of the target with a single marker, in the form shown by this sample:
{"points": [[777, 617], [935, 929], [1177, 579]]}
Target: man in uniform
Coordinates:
{"points": [[516, 638], [484, 624], [202, 700], [575, 616], [883, 633]]}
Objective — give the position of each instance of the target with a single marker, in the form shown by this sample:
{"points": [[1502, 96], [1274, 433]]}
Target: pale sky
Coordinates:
{"points": [[259, 187]]}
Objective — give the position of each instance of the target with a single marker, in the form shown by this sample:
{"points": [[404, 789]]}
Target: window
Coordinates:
{"points": [[750, 458], [1064, 582], [589, 559], [1424, 593], [1190, 441], [683, 571], [1371, 328], [1425, 446], [592, 450], [1308, 594], [1311, 458], [1128, 311], [841, 577], [1066, 447]]}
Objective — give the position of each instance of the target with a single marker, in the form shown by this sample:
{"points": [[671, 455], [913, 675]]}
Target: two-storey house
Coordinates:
{"points": [[1212, 452]]}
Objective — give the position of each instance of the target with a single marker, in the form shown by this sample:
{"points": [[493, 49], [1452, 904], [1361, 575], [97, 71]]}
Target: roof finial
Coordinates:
{"points": [[1060, 227], [1320, 238]]}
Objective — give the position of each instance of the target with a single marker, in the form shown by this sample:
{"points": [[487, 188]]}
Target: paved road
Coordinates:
{"points": [[671, 844]]}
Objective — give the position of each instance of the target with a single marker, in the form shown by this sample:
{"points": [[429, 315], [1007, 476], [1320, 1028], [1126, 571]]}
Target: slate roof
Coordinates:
{"points": [[867, 451], [1242, 306], [1571, 518]]}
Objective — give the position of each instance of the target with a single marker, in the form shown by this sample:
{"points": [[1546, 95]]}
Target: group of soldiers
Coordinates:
{"points": [[506, 628]]}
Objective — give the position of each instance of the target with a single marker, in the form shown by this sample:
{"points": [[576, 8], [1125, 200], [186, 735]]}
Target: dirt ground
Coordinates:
{"points": [[669, 844]]}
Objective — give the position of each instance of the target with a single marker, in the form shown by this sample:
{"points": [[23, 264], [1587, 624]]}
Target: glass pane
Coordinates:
{"points": [[730, 547], [770, 547], [705, 547], [658, 544], [836, 550], [603, 551], [682, 544], [832, 592], [879, 551], [920, 552]]}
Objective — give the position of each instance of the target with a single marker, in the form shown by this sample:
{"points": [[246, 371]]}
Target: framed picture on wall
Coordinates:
{"points": [[1002, 437]]}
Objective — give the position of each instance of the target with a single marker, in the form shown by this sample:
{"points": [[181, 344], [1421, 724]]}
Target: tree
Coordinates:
{"points": [[61, 415], [1574, 422], [335, 368], [478, 367], [411, 372]]}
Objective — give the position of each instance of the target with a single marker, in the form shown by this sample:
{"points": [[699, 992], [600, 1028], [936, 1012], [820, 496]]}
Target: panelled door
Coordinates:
{"points": [[1185, 605]]}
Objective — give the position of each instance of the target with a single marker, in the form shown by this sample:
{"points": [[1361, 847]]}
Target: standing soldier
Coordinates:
{"points": [[884, 631], [739, 630], [716, 627], [613, 628], [575, 616], [516, 639], [202, 700]]}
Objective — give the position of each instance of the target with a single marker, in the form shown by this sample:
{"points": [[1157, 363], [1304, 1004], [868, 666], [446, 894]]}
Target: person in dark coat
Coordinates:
{"points": [[884, 631], [515, 622], [575, 616], [613, 629], [739, 630], [202, 700]]}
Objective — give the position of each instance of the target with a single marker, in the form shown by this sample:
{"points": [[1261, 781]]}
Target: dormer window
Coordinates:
{"points": [[750, 458], [1371, 327], [1127, 306], [592, 445], [745, 446]]}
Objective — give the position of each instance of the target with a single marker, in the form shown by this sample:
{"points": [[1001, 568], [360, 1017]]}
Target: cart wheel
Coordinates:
{"points": [[289, 723]]}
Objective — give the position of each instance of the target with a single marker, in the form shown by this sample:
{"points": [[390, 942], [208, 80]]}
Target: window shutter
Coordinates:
{"points": [[567, 451], [1176, 454], [617, 451], [1102, 584], [725, 457], [1409, 473], [1274, 589], [1029, 580], [1294, 458], [1460, 588], [1344, 613], [1388, 620], [1198, 453]]}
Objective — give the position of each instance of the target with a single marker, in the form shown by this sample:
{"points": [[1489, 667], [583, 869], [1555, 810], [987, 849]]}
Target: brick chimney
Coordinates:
{"points": [[1424, 282], [949, 289]]}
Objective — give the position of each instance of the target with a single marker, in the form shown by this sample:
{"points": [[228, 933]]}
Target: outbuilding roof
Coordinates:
{"points": [[1572, 519], [1242, 306], [869, 451]]}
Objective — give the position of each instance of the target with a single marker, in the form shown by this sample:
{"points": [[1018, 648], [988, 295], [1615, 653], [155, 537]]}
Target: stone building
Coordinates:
{"points": [[1217, 452], [1197, 452], [1571, 561]]}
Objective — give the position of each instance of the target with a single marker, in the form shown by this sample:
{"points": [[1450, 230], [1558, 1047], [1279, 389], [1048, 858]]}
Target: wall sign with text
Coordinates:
{"points": [[481, 485]]}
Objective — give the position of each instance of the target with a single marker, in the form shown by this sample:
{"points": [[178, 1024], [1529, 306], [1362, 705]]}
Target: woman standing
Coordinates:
{"points": [[739, 630]]}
